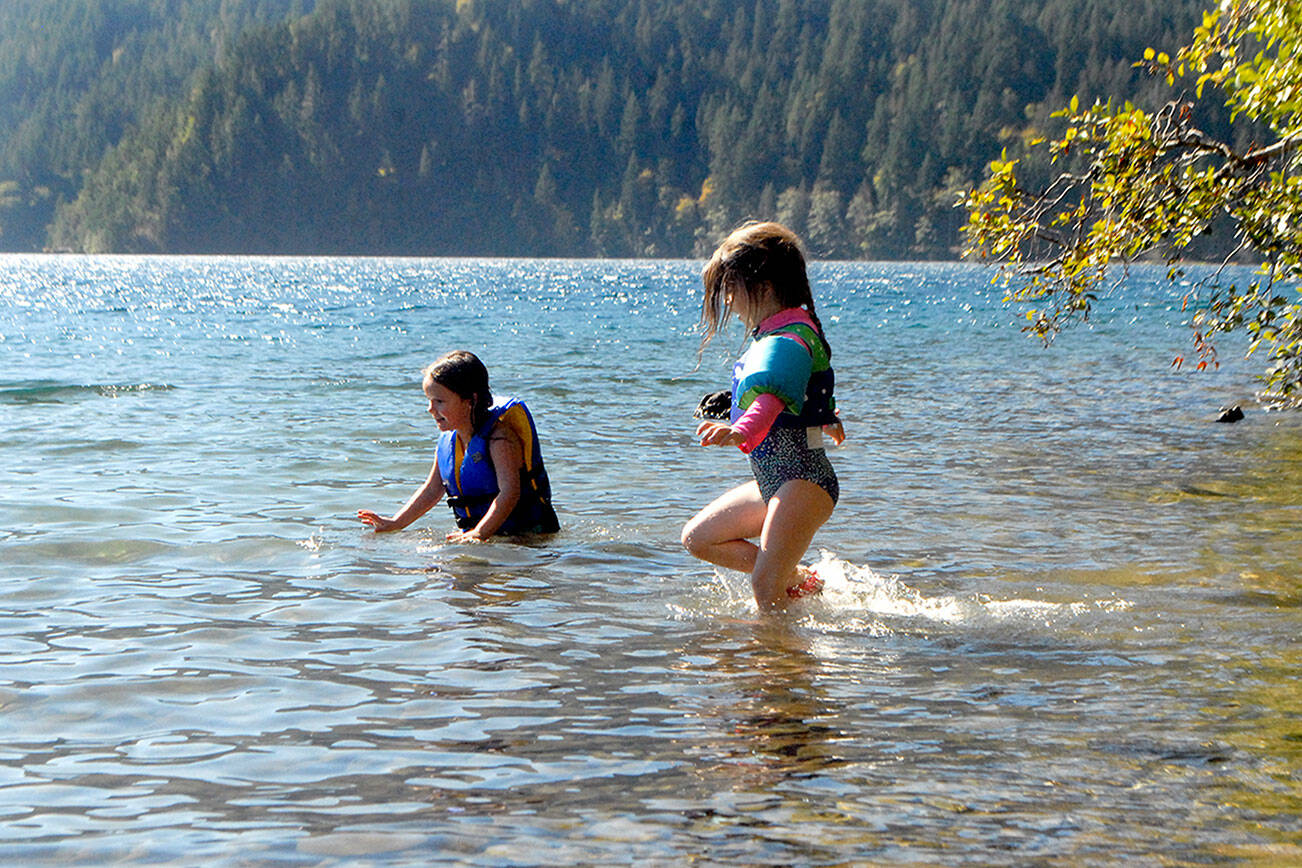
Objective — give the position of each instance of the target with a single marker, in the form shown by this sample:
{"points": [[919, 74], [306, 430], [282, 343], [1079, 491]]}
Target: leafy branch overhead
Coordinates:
{"points": [[1133, 184]]}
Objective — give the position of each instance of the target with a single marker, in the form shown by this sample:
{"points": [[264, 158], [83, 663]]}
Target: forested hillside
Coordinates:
{"points": [[533, 127], [76, 75]]}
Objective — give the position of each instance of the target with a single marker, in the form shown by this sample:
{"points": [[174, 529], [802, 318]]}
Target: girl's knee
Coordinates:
{"points": [[701, 538], [691, 539]]}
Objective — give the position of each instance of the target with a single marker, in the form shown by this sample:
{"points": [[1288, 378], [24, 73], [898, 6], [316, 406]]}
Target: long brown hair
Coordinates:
{"points": [[755, 254]]}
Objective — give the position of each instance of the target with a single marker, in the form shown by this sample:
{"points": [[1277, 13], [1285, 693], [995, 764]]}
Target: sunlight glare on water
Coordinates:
{"points": [[1059, 621]]}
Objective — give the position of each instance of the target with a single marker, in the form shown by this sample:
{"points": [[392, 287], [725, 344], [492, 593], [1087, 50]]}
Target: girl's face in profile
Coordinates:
{"points": [[450, 411]]}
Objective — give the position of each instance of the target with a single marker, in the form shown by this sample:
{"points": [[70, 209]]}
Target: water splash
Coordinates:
{"points": [[857, 599]]}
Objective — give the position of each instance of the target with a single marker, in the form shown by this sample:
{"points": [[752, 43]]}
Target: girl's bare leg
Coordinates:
{"points": [[794, 515], [719, 533]]}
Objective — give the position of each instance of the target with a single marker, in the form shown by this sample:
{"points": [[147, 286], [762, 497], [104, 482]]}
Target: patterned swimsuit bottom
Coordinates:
{"points": [[793, 453]]}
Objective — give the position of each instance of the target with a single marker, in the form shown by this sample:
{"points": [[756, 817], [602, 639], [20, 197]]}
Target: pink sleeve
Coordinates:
{"points": [[755, 423]]}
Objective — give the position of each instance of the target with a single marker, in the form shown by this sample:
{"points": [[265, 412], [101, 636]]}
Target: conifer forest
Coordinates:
{"points": [[589, 128]]}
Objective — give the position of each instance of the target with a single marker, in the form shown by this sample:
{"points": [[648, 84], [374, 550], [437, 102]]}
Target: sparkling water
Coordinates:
{"points": [[1061, 614]]}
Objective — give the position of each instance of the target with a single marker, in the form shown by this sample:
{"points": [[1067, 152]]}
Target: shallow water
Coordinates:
{"points": [[1060, 623]]}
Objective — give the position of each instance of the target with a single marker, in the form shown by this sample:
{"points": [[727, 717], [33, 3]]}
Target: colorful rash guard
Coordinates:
{"points": [[790, 360], [471, 480]]}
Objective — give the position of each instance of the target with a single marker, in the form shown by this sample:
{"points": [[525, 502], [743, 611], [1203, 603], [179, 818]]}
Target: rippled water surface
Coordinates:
{"points": [[1061, 619]]}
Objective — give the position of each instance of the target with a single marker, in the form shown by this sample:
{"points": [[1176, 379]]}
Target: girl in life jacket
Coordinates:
{"points": [[489, 462], [782, 406]]}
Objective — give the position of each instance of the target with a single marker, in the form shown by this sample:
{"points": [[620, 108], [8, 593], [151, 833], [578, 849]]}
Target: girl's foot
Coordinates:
{"points": [[809, 587]]}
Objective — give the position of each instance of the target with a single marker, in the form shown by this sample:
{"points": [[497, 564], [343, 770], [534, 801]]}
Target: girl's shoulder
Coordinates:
{"points": [[511, 424]]}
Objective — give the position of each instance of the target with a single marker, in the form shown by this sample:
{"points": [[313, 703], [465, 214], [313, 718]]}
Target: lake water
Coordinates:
{"points": [[1061, 623]]}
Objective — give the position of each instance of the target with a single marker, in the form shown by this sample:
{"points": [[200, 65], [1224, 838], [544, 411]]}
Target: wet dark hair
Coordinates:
{"points": [[462, 373], [755, 254]]}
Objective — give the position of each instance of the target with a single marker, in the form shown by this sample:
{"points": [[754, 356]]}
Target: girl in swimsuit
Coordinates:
{"points": [[782, 405]]}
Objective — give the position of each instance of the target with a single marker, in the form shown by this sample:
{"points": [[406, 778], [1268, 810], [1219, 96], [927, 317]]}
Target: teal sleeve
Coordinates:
{"points": [[779, 366]]}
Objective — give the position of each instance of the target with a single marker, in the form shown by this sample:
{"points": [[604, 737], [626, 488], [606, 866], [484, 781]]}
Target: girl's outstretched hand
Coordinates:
{"points": [[463, 536], [717, 434], [375, 520]]}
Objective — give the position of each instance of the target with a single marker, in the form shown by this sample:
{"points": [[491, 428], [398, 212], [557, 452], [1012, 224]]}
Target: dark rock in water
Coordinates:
{"points": [[716, 405], [1199, 491], [1230, 414]]}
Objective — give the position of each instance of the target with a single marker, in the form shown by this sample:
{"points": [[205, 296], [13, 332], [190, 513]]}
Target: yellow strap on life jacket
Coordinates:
{"points": [[517, 421]]}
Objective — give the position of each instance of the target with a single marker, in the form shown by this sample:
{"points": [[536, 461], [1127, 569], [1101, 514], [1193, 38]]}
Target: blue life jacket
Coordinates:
{"points": [[472, 487], [799, 373]]}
